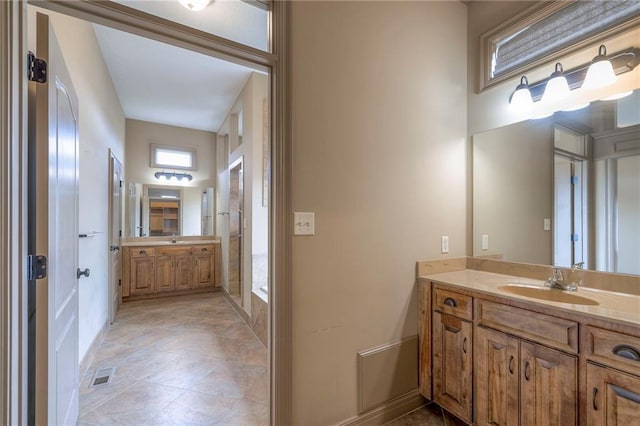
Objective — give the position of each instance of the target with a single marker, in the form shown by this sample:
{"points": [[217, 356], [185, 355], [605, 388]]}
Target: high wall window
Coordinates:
{"points": [[173, 157]]}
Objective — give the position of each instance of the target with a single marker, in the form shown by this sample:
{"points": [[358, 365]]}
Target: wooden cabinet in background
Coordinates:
{"points": [[453, 353], [166, 270], [613, 397]]}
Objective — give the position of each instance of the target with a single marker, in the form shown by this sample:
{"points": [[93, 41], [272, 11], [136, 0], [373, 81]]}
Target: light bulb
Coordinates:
{"points": [[194, 5], [521, 99], [557, 87], [600, 72]]}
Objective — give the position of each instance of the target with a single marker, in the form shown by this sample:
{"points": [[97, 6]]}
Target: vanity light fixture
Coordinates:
{"points": [[622, 62], [173, 177], [194, 5], [557, 87], [600, 72], [521, 98]]}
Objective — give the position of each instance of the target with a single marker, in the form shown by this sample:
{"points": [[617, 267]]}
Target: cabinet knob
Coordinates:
{"points": [[511, 359], [464, 345], [595, 393], [450, 302], [527, 373]]}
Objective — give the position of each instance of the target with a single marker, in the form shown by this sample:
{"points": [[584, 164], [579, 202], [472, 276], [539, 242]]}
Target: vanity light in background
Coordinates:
{"points": [[173, 177], [195, 5], [557, 88], [521, 98], [618, 96], [600, 72]]}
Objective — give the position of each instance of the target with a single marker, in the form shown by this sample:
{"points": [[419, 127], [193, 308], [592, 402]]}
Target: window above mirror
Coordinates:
{"points": [[544, 33], [173, 157]]}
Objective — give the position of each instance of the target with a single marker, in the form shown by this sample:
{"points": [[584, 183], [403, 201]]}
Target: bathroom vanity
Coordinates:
{"points": [[505, 350], [163, 268]]}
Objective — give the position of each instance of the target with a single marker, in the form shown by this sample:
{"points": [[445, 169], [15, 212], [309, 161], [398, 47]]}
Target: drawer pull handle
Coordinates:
{"points": [[626, 394], [511, 364], [450, 302], [595, 393], [526, 371], [628, 352], [203, 249], [464, 345], [143, 252]]}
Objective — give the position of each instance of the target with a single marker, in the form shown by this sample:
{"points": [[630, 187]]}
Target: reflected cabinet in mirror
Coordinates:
{"points": [[156, 210], [563, 190]]}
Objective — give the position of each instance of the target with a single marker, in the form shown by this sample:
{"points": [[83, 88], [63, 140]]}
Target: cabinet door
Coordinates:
{"points": [[497, 372], [548, 386], [165, 273], [142, 275], [204, 270], [452, 364], [184, 273], [613, 398]]}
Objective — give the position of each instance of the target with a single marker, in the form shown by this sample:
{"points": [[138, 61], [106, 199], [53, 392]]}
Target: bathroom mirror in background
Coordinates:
{"points": [[156, 210], [563, 190]]}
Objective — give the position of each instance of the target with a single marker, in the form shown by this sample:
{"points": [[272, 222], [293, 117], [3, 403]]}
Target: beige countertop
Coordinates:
{"points": [[614, 306], [167, 243]]}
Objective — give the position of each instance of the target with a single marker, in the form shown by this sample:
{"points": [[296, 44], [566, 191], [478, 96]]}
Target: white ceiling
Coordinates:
{"points": [[164, 84]]}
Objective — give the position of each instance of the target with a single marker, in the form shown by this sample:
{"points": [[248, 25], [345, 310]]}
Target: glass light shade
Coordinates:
{"points": [[195, 5], [600, 72], [521, 99], [617, 96], [557, 87]]}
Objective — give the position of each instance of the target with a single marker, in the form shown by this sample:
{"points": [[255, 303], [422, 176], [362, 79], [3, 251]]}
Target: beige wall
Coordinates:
{"points": [[102, 123], [379, 131]]}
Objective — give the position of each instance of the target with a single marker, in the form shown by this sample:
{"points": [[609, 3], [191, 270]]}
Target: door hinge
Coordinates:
{"points": [[120, 184], [36, 69], [36, 267], [574, 180], [119, 283]]}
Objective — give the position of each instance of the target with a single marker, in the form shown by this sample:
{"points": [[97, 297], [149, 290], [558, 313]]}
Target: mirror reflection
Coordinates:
{"points": [[564, 190]]}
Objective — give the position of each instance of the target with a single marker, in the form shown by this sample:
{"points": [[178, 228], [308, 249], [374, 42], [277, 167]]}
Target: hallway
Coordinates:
{"points": [[179, 360]]}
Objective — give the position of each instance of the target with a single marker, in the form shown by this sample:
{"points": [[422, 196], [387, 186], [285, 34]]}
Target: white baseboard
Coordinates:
{"points": [[93, 348], [392, 409]]}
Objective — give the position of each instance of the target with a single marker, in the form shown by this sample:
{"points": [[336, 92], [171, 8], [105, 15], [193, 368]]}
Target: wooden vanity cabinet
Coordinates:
{"points": [[453, 353], [168, 270], [141, 272], [613, 397]]}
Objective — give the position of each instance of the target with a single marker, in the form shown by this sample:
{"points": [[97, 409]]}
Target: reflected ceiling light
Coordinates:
{"points": [[600, 72], [557, 87], [195, 5], [173, 177], [577, 107], [617, 96], [521, 98]]}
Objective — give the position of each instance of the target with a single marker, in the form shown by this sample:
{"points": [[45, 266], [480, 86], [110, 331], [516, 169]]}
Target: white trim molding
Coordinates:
{"points": [[13, 220]]}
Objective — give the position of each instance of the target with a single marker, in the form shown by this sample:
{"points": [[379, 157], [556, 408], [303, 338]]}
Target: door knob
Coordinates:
{"points": [[86, 272], [114, 248]]}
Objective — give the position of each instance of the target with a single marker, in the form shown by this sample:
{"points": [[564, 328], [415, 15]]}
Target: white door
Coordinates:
{"points": [[115, 212], [56, 237]]}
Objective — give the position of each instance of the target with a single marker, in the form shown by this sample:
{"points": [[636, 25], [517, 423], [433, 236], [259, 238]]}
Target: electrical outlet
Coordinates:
{"points": [[546, 224], [485, 242], [444, 244], [304, 223]]}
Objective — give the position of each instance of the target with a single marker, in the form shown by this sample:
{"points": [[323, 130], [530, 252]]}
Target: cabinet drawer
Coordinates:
{"points": [[173, 251], [142, 251], [452, 303], [551, 331], [204, 249], [614, 349]]}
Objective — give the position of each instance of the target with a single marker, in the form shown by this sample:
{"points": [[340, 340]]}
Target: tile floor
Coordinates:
{"points": [[429, 415], [187, 360]]}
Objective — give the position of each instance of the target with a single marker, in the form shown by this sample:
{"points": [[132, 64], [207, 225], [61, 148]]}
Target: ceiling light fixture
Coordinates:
{"points": [[195, 5], [600, 72], [173, 177], [521, 98], [557, 87]]}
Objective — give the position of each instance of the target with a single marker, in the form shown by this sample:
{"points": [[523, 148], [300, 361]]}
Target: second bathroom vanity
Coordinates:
{"points": [[163, 268]]}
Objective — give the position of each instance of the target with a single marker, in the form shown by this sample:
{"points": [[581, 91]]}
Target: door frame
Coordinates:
{"points": [[13, 178]]}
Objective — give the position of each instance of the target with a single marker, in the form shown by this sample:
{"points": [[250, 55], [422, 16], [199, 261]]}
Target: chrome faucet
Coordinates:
{"points": [[578, 265], [557, 281]]}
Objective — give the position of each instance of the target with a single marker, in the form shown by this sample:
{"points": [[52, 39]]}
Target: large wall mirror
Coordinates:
{"points": [[563, 190]]}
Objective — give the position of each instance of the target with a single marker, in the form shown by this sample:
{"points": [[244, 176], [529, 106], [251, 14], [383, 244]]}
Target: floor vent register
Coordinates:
{"points": [[103, 376]]}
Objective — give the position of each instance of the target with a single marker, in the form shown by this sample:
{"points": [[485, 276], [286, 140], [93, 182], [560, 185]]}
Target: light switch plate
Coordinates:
{"points": [[304, 223], [546, 224], [444, 244], [485, 242]]}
